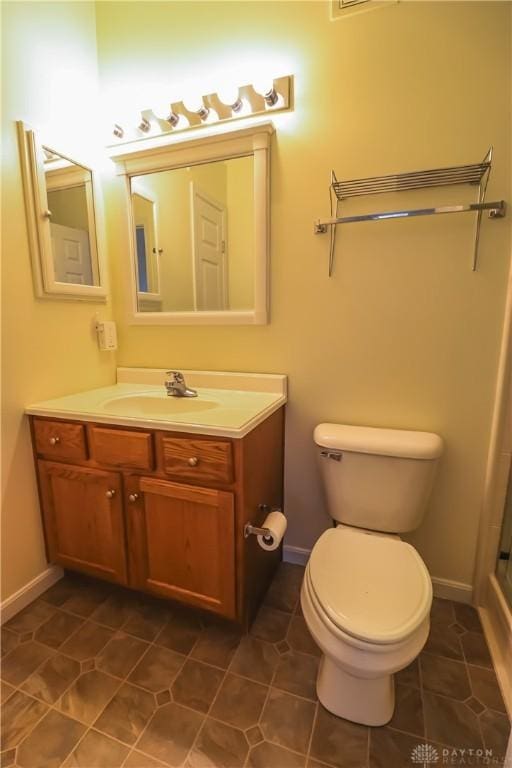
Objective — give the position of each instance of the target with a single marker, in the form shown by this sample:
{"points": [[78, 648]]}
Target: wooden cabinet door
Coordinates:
{"points": [[182, 542], [83, 516]]}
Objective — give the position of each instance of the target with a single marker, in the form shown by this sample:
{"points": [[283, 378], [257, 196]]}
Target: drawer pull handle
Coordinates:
{"points": [[54, 440], [132, 498], [110, 493], [193, 461]]}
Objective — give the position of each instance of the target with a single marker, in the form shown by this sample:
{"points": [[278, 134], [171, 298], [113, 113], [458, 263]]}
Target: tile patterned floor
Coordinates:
{"points": [[98, 677]]}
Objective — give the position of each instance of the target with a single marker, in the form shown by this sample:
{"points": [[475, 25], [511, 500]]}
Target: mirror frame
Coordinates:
{"points": [[38, 224], [251, 141]]}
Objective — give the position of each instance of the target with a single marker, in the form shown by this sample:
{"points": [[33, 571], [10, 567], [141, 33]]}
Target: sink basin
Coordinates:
{"points": [[158, 406]]}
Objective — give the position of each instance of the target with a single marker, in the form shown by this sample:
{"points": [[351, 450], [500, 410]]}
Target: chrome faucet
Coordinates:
{"points": [[176, 385]]}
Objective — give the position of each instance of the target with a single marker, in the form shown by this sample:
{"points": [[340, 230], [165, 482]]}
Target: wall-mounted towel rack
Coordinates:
{"points": [[476, 174]]}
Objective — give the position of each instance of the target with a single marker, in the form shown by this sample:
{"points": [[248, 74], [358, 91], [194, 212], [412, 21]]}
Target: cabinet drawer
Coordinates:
{"points": [[204, 461], [122, 448], [60, 439]]}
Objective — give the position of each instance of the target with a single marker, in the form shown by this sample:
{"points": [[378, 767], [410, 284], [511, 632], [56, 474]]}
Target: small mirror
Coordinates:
{"points": [[198, 215], [61, 221], [194, 237]]}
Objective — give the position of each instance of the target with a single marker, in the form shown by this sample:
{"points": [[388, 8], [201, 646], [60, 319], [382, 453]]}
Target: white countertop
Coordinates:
{"points": [[228, 404]]}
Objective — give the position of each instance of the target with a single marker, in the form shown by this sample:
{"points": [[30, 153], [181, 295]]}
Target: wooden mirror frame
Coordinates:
{"points": [[173, 154]]}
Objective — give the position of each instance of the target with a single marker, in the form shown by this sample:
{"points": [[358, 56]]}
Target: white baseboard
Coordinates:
{"points": [[296, 555], [452, 590], [445, 588], [30, 592]]}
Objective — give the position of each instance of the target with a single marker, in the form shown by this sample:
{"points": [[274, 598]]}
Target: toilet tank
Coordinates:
{"points": [[379, 479]]}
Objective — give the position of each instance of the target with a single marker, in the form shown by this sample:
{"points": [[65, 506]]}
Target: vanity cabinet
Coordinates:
{"points": [[162, 512]]}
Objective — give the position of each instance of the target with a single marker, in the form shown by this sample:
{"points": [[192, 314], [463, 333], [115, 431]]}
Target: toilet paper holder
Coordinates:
{"points": [[253, 530]]}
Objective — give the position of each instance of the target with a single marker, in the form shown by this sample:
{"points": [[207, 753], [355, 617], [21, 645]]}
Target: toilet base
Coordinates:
{"points": [[369, 701]]}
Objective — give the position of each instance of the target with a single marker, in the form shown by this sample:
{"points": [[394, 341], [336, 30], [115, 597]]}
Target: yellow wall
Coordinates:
{"points": [[49, 347], [404, 334]]}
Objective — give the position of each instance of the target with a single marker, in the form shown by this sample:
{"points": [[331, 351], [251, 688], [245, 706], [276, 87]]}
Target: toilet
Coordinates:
{"points": [[366, 594]]}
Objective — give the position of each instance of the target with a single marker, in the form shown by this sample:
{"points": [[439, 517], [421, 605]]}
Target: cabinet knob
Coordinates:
{"points": [[54, 440], [110, 493], [193, 461], [132, 498], [47, 214]]}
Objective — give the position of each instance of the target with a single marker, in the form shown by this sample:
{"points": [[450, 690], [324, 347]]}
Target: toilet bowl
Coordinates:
{"points": [[366, 594], [366, 600]]}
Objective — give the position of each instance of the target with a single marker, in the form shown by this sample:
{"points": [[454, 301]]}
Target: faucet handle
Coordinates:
{"points": [[176, 376]]}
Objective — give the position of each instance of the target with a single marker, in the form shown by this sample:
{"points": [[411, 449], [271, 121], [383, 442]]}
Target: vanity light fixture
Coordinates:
{"points": [[230, 96], [195, 110], [266, 89]]}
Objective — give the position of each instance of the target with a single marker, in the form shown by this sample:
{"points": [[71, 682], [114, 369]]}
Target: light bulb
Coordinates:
{"points": [[228, 95], [164, 111], [129, 119], [265, 87], [194, 103]]}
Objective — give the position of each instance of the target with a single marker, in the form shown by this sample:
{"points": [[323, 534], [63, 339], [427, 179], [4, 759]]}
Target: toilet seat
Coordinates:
{"points": [[373, 587]]}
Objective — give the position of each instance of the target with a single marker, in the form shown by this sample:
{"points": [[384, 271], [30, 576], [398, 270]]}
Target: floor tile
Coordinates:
{"points": [[266, 755], [239, 702], [171, 733], [410, 675], [255, 659], [442, 612], [297, 673], [115, 610], [270, 625], [51, 680], [467, 617], [96, 750], [120, 654], [390, 749], [254, 735], [147, 620], [300, 639], [485, 688], [6, 691], [51, 741], [157, 669], [475, 650], [445, 676], [127, 714], [284, 591], [57, 629], [196, 685], [87, 641], [7, 758], [496, 732], [408, 714], [23, 661], [444, 641], [85, 597], [339, 742], [287, 720], [217, 645], [219, 746], [19, 715], [180, 633], [88, 696], [138, 760], [31, 617], [9, 641], [450, 722]]}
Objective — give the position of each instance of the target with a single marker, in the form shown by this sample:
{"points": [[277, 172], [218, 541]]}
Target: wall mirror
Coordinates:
{"points": [[61, 222], [198, 229]]}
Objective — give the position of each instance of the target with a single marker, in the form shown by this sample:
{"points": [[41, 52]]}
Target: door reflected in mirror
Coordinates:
{"points": [[194, 237], [71, 216]]}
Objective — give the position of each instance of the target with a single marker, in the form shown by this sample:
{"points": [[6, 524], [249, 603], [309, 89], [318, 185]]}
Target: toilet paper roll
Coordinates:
{"points": [[276, 523]]}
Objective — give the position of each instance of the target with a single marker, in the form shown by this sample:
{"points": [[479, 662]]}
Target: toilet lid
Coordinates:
{"points": [[373, 587]]}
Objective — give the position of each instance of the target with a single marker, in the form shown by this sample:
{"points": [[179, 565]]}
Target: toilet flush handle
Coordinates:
{"points": [[335, 455]]}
